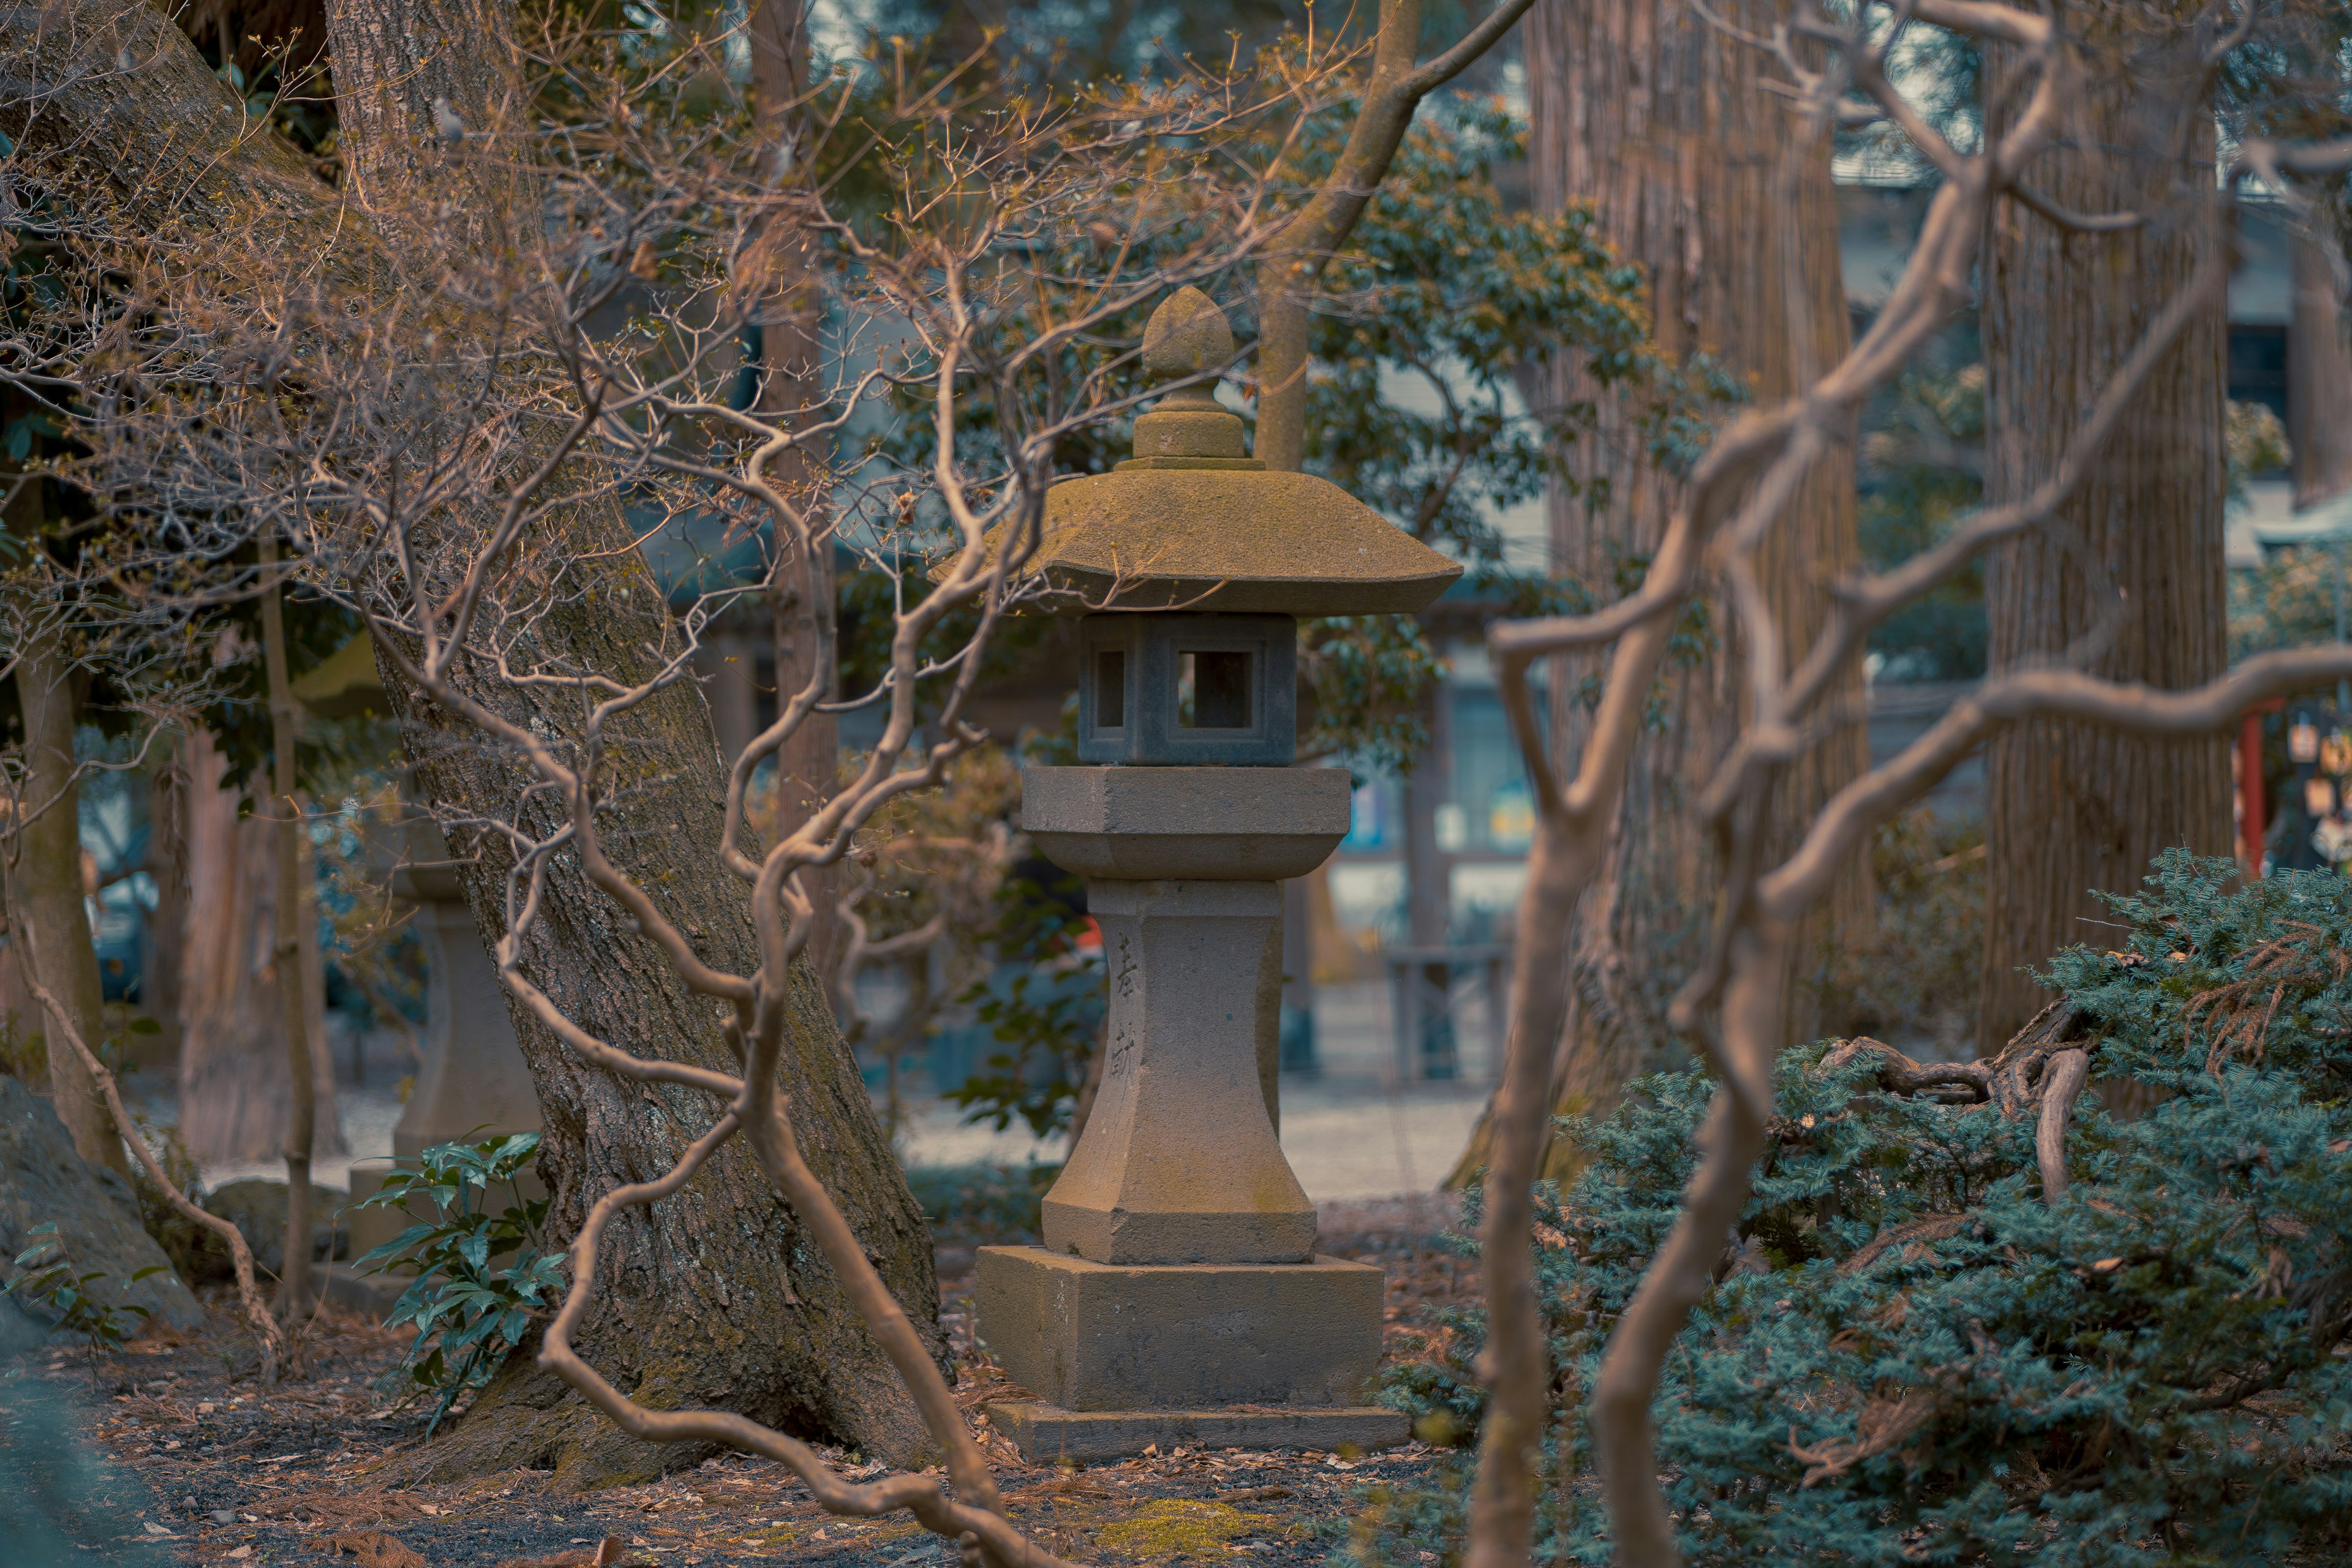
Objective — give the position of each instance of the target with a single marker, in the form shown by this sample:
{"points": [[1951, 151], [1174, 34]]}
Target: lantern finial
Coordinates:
{"points": [[1188, 336]]}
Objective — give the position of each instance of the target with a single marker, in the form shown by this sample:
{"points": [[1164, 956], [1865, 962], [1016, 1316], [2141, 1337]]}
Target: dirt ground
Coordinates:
{"points": [[170, 1453]]}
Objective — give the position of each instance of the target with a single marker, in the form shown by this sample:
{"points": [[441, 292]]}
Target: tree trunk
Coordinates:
{"points": [[2319, 361], [293, 956], [791, 390], [236, 1089], [1648, 113], [717, 1294], [2132, 569], [167, 926], [49, 896]]}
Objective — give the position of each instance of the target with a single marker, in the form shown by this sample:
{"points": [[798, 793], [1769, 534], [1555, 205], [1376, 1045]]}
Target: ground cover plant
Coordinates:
{"points": [[1931, 1345], [181, 1455]]}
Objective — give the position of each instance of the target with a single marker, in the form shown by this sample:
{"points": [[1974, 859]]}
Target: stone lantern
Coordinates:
{"points": [[1177, 1297]]}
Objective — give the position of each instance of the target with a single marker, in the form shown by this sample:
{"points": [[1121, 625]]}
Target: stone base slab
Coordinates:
{"points": [[1187, 1336], [1046, 1433]]}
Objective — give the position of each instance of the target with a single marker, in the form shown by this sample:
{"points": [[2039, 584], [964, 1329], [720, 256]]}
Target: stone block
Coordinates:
{"points": [[475, 1083], [257, 1205], [1093, 1337], [1212, 823], [1180, 1162], [1046, 1433]]}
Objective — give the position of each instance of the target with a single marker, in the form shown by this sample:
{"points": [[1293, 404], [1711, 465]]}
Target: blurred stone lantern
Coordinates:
{"points": [[1177, 1297]]}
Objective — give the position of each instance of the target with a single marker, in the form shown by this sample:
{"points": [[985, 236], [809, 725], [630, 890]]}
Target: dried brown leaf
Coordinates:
{"points": [[374, 1549]]}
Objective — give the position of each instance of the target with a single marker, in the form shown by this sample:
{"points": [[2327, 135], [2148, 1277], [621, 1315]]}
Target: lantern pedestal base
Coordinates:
{"points": [[1045, 1433], [1240, 1354]]}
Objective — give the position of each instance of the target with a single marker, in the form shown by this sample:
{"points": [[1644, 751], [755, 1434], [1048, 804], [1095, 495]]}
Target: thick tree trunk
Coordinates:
{"points": [[2130, 574], [716, 1291], [237, 1091], [49, 876], [717, 1296], [1662, 125]]}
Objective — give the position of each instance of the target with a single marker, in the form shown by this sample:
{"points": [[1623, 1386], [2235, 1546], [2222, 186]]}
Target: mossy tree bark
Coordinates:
{"points": [[1665, 127], [717, 1294], [2130, 574]]}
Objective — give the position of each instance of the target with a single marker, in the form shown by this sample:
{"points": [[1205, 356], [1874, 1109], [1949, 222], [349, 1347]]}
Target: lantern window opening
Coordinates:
{"points": [[1213, 689], [1111, 689]]}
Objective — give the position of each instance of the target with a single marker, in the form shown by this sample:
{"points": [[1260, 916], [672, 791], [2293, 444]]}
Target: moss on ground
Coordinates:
{"points": [[1182, 1526]]}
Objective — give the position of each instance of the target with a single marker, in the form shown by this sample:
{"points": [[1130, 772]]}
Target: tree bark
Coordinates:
{"points": [[719, 1296], [287, 951], [791, 390], [717, 1293], [167, 863], [236, 1086], [1664, 126], [50, 893], [2130, 574], [2319, 359]]}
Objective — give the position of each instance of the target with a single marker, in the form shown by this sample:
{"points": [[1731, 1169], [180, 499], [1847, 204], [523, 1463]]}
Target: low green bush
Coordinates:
{"points": [[984, 1204], [1912, 1358]]}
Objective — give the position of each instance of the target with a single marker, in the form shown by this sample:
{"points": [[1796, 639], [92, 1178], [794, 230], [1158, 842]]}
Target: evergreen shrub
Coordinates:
{"points": [[1912, 1358]]}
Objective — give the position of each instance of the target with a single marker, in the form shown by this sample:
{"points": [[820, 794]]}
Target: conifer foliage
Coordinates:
{"points": [[1915, 1354]]}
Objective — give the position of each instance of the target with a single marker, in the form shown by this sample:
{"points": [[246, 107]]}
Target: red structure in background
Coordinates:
{"points": [[2252, 825]]}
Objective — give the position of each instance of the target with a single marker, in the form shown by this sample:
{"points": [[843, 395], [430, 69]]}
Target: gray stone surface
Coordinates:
{"points": [[1044, 1433], [257, 1205], [1180, 1162], [1206, 824], [474, 1075], [373, 1294], [43, 1180], [1090, 1337]]}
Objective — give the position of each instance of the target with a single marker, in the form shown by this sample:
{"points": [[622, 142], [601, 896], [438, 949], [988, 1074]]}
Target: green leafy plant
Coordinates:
{"points": [[50, 1281], [1916, 1354], [482, 1278]]}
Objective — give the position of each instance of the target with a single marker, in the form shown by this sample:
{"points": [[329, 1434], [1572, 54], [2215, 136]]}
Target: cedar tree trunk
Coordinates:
{"points": [[2130, 573], [237, 1091], [791, 390], [2319, 361], [1660, 123]]}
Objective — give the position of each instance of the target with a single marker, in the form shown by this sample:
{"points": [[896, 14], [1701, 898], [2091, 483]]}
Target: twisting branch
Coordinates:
{"points": [[1298, 251], [2063, 1079], [1740, 495]]}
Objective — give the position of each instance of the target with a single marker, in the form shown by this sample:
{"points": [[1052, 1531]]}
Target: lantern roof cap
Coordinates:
{"points": [[1192, 523]]}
